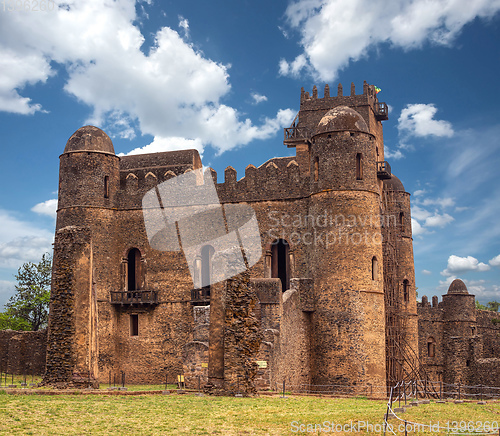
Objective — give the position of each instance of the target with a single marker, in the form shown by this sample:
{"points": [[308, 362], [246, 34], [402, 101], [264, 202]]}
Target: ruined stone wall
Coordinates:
{"points": [[294, 347], [71, 342], [430, 328], [488, 326], [23, 352]]}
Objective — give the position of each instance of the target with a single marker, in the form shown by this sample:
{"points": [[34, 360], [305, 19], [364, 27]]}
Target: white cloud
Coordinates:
{"points": [[389, 154], [416, 228], [337, 32], [7, 289], [258, 98], [495, 261], [48, 207], [184, 25], [438, 220], [460, 265], [21, 241], [426, 272], [419, 192], [418, 120], [170, 90], [441, 202], [419, 213], [160, 144]]}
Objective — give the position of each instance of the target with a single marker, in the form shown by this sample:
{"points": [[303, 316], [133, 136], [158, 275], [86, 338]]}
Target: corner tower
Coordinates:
{"points": [[339, 147], [88, 187]]}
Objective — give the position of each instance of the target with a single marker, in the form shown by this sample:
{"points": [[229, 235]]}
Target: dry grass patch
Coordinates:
{"points": [[192, 415]]}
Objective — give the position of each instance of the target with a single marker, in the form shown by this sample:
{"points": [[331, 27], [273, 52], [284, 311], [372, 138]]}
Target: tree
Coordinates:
{"points": [[31, 300], [8, 321], [493, 305]]}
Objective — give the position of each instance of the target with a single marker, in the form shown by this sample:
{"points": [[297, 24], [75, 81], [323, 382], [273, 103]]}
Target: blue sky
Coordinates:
{"points": [[225, 78]]}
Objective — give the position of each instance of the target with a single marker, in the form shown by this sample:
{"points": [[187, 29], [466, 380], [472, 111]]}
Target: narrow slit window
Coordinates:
{"points": [[402, 221], [316, 168], [374, 268], [106, 186], [359, 166], [134, 324], [406, 290]]}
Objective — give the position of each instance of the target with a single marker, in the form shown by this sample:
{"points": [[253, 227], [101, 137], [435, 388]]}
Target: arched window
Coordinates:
{"points": [[431, 347], [134, 270], [316, 168], [406, 290], [207, 253], [359, 166], [106, 186], [374, 268], [280, 264]]}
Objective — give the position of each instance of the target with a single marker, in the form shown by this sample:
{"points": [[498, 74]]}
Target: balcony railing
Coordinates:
{"points": [[381, 111], [383, 170], [200, 297], [294, 135], [134, 297]]}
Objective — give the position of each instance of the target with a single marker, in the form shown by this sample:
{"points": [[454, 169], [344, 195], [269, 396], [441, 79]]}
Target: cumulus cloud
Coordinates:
{"points": [[418, 120], [337, 32], [438, 220], [21, 241], [461, 265], [416, 228], [495, 261], [48, 207], [258, 98], [7, 289], [389, 154], [168, 90], [426, 272]]}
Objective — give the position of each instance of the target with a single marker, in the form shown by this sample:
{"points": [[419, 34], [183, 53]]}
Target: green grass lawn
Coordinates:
{"points": [[193, 415]]}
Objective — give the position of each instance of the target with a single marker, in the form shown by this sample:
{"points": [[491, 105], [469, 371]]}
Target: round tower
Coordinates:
{"points": [[399, 282], [89, 175], [346, 264], [459, 332]]}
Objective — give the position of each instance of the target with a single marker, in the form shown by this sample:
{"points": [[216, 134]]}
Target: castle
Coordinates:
{"points": [[330, 299]]}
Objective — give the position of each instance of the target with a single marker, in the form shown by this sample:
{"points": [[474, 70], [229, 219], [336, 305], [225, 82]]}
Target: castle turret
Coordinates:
{"points": [[459, 332], [89, 173], [399, 283], [348, 323]]}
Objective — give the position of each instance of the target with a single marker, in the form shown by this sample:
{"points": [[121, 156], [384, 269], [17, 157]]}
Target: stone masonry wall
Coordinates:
{"points": [[23, 352]]}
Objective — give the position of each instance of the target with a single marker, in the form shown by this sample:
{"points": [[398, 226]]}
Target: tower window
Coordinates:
{"points": [[134, 324], [316, 168], [431, 347], [359, 166], [280, 265], [402, 221], [106, 186], [134, 270], [406, 290], [374, 268]]}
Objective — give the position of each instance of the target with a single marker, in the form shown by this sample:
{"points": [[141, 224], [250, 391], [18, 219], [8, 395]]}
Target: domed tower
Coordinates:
{"points": [[89, 176], [459, 332], [85, 264], [399, 283], [349, 341]]}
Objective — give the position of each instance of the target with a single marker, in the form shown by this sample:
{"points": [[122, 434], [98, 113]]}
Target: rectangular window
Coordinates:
{"points": [[359, 166], [134, 325], [106, 186]]}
